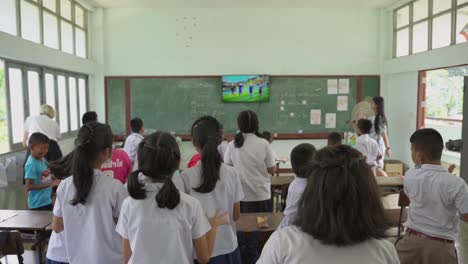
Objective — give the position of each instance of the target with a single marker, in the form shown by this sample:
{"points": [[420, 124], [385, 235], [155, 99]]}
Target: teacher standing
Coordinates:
{"points": [[379, 128], [44, 124]]}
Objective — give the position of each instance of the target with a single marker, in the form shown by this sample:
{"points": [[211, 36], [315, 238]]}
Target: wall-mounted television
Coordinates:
{"points": [[246, 88]]}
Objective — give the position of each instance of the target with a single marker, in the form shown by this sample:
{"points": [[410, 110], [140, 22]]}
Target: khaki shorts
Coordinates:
{"points": [[419, 250]]}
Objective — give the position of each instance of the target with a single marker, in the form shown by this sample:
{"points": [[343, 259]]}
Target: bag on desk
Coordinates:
{"points": [[454, 145]]}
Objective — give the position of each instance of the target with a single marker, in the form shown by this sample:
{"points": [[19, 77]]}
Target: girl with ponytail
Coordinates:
{"points": [[216, 186], [379, 128], [88, 202], [157, 222]]}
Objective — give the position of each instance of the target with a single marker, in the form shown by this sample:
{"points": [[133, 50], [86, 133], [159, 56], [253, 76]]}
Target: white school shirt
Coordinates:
{"points": [[56, 250], [295, 191], [161, 235], [435, 198], [369, 148], [222, 147], [42, 124], [131, 145], [251, 162], [227, 192], [89, 230], [292, 246]]}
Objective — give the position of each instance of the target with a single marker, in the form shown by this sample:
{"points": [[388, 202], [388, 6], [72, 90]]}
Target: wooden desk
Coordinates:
{"points": [[248, 222], [278, 181], [390, 182]]}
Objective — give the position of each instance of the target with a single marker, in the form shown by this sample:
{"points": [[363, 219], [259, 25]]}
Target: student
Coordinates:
{"points": [[197, 156], [157, 222], [340, 216], [437, 200], [38, 181], [88, 203], [89, 116], [215, 185], [365, 144], [301, 157], [119, 167], [132, 141], [334, 139], [223, 146]]}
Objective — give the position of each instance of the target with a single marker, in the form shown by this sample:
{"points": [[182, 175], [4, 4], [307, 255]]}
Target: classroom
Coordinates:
{"points": [[273, 82]]}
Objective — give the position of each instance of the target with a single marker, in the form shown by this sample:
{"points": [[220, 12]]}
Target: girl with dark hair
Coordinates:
{"points": [[215, 185], [88, 202], [157, 222], [340, 216], [379, 127]]}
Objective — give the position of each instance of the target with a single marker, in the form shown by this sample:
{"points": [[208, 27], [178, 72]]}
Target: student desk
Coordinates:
{"points": [[31, 221], [247, 228], [279, 181], [279, 190]]}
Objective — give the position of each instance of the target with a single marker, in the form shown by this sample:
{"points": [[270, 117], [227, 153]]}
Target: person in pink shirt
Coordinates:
{"points": [[119, 167]]}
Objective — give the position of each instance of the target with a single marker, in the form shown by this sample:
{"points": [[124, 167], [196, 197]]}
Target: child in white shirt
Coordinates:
{"points": [[158, 223], [368, 146], [215, 185], [132, 141], [301, 157]]}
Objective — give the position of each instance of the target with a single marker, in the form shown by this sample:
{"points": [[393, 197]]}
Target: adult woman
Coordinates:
{"points": [[44, 124], [379, 127]]}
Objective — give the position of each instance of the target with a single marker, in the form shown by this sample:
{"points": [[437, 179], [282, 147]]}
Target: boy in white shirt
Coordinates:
{"points": [[301, 157], [134, 139], [437, 200], [368, 146]]}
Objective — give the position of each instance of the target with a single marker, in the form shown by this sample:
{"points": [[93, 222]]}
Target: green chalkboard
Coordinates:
{"points": [[370, 87], [116, 105], [172, 104]]}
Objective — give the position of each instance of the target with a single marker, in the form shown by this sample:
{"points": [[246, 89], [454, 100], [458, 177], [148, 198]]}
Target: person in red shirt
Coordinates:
{"points": [[119, 167]]}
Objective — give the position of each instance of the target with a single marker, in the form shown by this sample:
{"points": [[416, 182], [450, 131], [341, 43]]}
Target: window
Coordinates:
{"points": [[8, 16], [27, 88], [423, 25], [58, 24]]}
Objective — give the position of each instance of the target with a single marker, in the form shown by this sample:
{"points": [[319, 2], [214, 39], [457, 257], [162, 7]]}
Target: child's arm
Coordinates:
{"points": [[451, 168], [236, 211], [127, 250], [57, 224], [30, 186]]}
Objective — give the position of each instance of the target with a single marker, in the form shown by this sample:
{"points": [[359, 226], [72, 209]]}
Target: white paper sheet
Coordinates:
{"points": [[315, 117], [332, 86], [342, 103], [330, 120], [344, 86], [291, 114]]}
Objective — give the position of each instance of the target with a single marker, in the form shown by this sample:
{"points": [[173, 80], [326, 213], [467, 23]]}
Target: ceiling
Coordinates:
{"points": [[243, 3]]}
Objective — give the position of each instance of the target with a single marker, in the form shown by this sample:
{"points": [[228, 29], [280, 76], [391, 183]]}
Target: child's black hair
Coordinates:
{"points": [[158, 158], [267, 135], [206, 134], [93, 138], [334, 138], [62, 168], [89, 116], [38, 138], [301, 157], [247, 121], [136, 124], [429, 142], [365, 125]]}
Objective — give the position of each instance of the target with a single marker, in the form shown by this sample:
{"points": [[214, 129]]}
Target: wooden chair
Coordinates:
{"points": [[11, 244]]}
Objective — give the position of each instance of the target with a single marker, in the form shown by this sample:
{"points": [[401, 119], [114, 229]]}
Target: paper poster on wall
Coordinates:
{"points": [[282, 108], [342, 103], [330, 120], [332, 86], [282, 102], [304, 102], [344, 86], [291, 114], [315, 117]]}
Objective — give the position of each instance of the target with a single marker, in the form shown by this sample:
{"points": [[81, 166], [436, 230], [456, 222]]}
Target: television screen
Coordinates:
{"points": [[246, 88]]}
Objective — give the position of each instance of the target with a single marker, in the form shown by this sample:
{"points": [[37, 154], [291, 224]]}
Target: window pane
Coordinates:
{"points": [[50, 4], [82, 95], [79, 16], [50, 31], [65, 9], [62, 99], [441, 31], [67, 37], [402, 48], [30, 22], [33, 93], [420, 10], [50, 90], [462, 25], [4, 146], [15, 79], [420, 37], [462, 2], [8, 16], [73, 104], [402, 17], [80, 43], [441, 5]]}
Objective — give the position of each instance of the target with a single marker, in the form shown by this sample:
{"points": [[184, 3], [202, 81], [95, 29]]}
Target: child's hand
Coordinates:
{"points": [[388, 153], [379, 157], [55, 182], [219, 219], [451, 168]]}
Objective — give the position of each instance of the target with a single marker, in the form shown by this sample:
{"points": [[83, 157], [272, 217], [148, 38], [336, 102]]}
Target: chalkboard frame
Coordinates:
{"points": [[187, 137]]}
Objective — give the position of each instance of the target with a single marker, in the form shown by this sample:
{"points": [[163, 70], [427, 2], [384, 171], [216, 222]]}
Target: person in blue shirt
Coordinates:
{"points": [[38, 181]]}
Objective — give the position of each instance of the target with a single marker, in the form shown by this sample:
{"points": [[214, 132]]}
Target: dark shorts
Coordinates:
{"points": [[43, 208], [48, 261], [231, 258]]}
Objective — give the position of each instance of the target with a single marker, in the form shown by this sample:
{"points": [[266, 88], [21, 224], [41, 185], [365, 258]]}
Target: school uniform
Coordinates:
{"points": [[295, 191], [222, 148], [89, 229], [37, 199], [161, 235], [379, 138], [436, 200], [292, 246], [131, 145], [56, 250], [368, 148], [227, 192]]}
